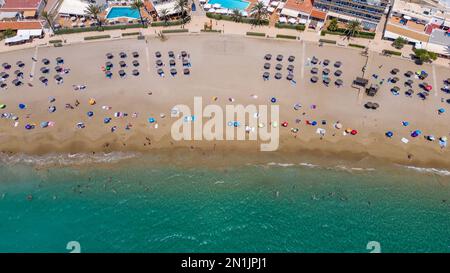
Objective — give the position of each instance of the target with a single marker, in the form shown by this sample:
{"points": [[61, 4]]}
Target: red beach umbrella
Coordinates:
{"points": [[428, 87], [353, 132]]}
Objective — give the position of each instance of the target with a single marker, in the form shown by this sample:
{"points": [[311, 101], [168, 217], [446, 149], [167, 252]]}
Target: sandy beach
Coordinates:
{"points": [[225, 67]]}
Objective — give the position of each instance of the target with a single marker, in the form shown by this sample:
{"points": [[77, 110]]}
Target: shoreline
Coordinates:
{"points": [[370, 144]]}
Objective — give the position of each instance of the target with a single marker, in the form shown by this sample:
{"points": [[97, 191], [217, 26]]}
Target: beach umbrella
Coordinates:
{"points": [[106, 120], [314, 70], [16, 82], [409, 82], [122, 64], [368, 105], [326, 62], [159, 63], [122, 55], [43, 79], [326, 80], [58, 68], [135, 63], [297, 106], [314, 79], [278, 75], [108, 74], [4, 75], [52, 109], [172, 62], [338, 82], [6, 65], [2, 106], [173, 71], [409, 92], [273, 100], [353, 132], [109, 56], [441, 110], [122, 73], [290, 77], [290, 67], [395, 89], [20, 64], [160, 71], [267, 66], [158, 54], [22, 106], [326, 71], [18, 73], [268, 57], [151, 120], [57, 78], [29, 127], [171, 54], [314, 60], [447, 81], [428, 87], [59, 60], [394, 79], [108, 65], [279, 67], [45, 61], [291, 58], [409, 73], [135, 54], [90, 114], [394, 71], [185, 62], [389, 134], [3, 85], [266, 75], [136, 72], [279, 57], [183, 53], [338, 73], [375, 106], [186, 71], [337, 64], [430, 138], [45, 70]]}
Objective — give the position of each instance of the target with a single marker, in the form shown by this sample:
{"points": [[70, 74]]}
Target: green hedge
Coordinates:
{"points": [[130, 33], [299, 27], [356, 45], [97, 37], [282, 36], [170, 23], [327, 41], [341, 31], [392, 52], [90, 29], [259, 34], [175, 30], [211, 30], [55, 41], [229, 18]]}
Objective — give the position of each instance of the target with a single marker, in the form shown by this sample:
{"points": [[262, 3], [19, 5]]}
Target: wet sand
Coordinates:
{"points": [[222, 66]]}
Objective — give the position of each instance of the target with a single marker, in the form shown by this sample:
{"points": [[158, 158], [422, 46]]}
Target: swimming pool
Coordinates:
{"points": [[122, 12], [230, 4]]}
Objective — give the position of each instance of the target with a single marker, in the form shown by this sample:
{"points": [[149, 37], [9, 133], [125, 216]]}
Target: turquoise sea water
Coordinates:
{"points": [[120, 12], [137, 207]]}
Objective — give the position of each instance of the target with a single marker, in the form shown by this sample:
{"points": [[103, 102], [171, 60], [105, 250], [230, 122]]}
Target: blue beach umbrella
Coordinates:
{"points": [[106, 120], [314, 123], [273, 100], [90, 114], [22, 106], [44, 124], [151, 120], [441, 110], [405, 123], [389, 134]]}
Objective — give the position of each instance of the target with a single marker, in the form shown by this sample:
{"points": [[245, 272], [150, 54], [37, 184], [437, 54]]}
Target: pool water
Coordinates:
{"points": [[230, 4], [118, 12]]}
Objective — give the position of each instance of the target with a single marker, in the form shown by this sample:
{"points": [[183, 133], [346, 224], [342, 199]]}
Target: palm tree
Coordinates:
{"points": [[49, 18], [93, 11], [181, 6], [163, 14], [258, 12], [236, 15], [138, 4], [353, 27]]}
